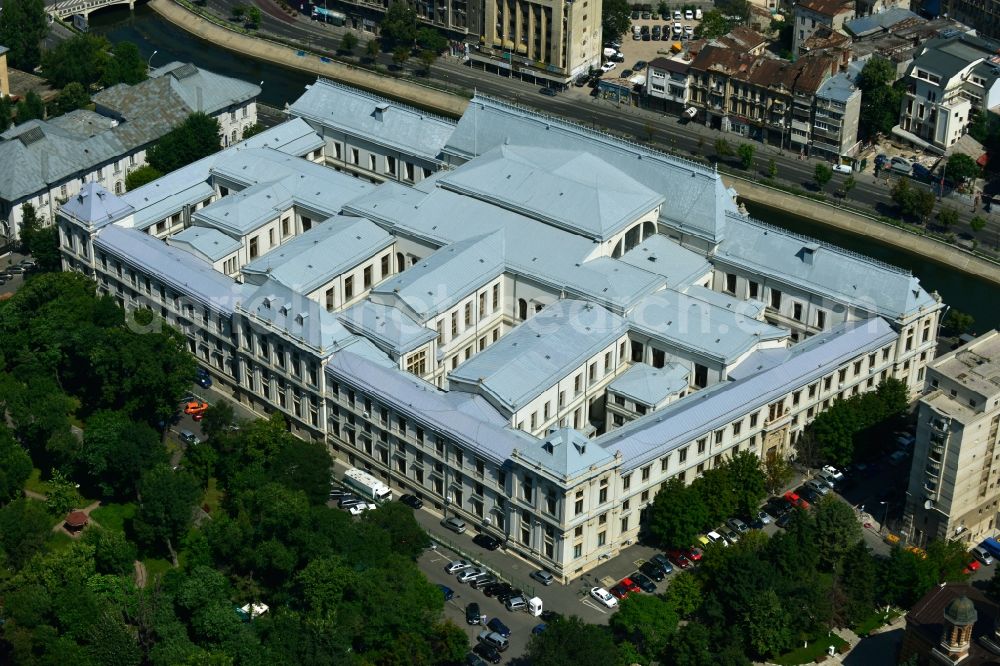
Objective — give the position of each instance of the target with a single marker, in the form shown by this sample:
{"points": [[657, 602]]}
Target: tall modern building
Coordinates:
{"points": [[954, 490], [529, 324]]}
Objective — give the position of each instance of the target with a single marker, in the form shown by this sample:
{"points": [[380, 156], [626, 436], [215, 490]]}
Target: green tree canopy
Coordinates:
{"points": [[745, 152], [23, 26], [348, 42], [30, 108], [957, 322], [24, 527], [676, 515], [80, 59], [646, 621], [73, 96], [837, 530], [166, 502], [117, 450], [139, 177], [398, 27], [125, 66], [6, 113], [15, 467], [880, 99], [569, 641], [960, 167], [713, 24], [195, 138], [822, 174], [616, 17]]}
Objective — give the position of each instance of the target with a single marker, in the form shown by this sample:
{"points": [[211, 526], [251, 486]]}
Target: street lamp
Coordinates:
{"points": [[885, 516], [149, 63]]}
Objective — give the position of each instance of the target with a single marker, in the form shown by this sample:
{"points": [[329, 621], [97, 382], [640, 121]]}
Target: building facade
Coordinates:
{"points": [[953, 490], [812, 15], [543, 258]]}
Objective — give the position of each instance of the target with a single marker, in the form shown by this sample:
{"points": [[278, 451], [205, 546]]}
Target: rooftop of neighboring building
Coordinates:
{"points": [[741, 38], [881, 22], [564, 452], [826, 7], [975, 365], [390, 328], [377, 119], [650, 386], [669, 65], [948, 56], [838, 88], [95, 207], [926, 619], [662, 256], [824, 38], [210, 243]]}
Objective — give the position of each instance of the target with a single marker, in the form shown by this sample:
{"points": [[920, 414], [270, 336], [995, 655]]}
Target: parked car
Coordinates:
{"points": [[697, 14], [338, 493], [472, 614], [481, 583], [677, 15], [619, 591], [360, 508], [809, 494], [779, 506], [543, 577], [517, 603], [795, 500], [487, 652], [603, 597], [639, 65], [448, 593], [688, 15], [411, 501], [630, 584], [662, 562], [189, 438], [549, 92], [539, 628], [457, 565], [195, 407], [644, 583], [731, 536], [737, 525], [819, 485], [783, 520], [470, 574], [496, 625], [497, 589], [971, 568], [653, 571], [921, 172], [494, 639], [679, 558], [881, 160], [715, 537], [608, 66], [843, 168], [646, 16], [347, 501], [509, 594], [833, 471], [454, 524], [486, 541], [982, 555], [764, 517]]}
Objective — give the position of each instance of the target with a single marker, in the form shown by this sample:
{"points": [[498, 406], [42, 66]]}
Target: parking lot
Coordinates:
{"points": [[648, 50]]}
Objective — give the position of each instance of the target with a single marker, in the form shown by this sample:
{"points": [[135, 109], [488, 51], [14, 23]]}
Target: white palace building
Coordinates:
{"points": [[529, 324]]}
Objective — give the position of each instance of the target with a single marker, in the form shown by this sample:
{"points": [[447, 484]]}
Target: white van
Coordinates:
{"points": [[697, 14]]}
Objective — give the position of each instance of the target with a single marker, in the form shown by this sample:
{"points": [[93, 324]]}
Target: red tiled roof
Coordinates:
{"points": [[827, 7], [77, 519]]}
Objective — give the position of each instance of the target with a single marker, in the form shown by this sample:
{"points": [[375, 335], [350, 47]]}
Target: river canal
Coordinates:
{"points": [[151, 33]]}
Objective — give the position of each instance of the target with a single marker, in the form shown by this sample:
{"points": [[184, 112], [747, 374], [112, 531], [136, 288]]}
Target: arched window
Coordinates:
{"points": [[648, 229], [118, 187], [522, 309], [618, 250], [234, 137]]}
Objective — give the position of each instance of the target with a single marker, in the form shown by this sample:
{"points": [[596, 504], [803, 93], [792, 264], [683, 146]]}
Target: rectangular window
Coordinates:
{"points": [[702, 444], [730, 283], [682, 455], [367, 273], [664, 463], [645, 473], [754, 289], [482, 305], [349, 287], [607, 362], [775, 299], [797, 312], [468, 315], [385, 266], [820, 319], [329, 299]]}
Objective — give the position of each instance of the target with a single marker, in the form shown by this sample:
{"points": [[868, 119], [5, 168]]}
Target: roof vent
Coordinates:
{"points": [[581, 447], [268, 300], [807, 252], [301, 318], [284, 310], [380, 110]]}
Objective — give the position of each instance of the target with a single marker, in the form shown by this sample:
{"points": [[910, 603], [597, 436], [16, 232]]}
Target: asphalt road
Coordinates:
{"points": [[649, 126]]}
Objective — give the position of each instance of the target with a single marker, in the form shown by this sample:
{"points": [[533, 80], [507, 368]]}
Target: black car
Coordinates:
{"points": [[487, 652], [549, 616], [496, 625], [778, 507], [486, 541], [582, 80], [338, 493], [640, 65], [472, 614], [784, 519], [412, 501], [549, 92], [497, 589], [643, 582], [348, 501], [509, 594], [652, 571]]}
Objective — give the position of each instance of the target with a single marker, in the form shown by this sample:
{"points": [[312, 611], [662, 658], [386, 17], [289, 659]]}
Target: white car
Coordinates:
{"points": [[603, 596], [608, 66], [688, 31], [689, 15], [359, 509], [697, 14], [715, 537], [677, 15], [843, 168], [457, 565], [833, 472], [678, 28]]}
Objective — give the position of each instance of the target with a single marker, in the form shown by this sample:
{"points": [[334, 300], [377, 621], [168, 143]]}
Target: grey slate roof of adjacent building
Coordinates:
{"points": [[545, 253], [838, 88], [446, 412], [658, 433], [312, 258], [568, 189], [688, 322], [390, 328], [379, 120], [538, 353], [650, 386], [838, 274], [564, 453], [677, 265], [442, 279], [176, 268], [210, 243], [202, 90], [95, 206], [946, 57], [864, 26], [696, 197]]}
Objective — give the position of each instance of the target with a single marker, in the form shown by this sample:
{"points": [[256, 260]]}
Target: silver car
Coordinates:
{"points": [[456, 525], [469, 575]]}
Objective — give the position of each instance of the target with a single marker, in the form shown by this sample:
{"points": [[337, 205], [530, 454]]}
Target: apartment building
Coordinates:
{"points": [[667, 80], [564, 243], [809, 16], [45, 163], [953, 492], [835, 117], [948, 80]]}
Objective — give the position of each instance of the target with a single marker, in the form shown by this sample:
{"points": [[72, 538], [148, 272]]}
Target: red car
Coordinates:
{"points": [[694, 554], [971, 568], [679, 558], [620, 591], [630, 585], [795, 500]]}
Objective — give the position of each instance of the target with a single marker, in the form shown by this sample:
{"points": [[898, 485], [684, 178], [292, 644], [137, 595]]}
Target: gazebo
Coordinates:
{"points": [[76, 521]]}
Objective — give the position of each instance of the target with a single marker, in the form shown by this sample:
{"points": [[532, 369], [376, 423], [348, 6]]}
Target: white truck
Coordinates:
{"points": [[367, 485]]}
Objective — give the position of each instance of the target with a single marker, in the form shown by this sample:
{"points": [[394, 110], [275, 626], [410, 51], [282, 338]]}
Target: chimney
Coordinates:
{"points": [[380, 110]]}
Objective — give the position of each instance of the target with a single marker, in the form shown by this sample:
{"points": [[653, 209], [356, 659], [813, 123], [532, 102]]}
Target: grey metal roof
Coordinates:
{"points": [[297, 318], [388, 327], [751, 308], [447, 276], [688, 322], [564, 453], [182, 271], [699, 413], [538, 353], [211, 244], [95, 207], [569, 189], [948, 56], [310, 259], [662, 256], [839, 88], [200, 89], [874, 23], [650, 386], [447, 413], [696, 200], [379, 120], [835, 273]]}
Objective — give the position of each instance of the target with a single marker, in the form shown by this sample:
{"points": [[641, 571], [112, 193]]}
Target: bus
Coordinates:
{"points": [[367, 485]]}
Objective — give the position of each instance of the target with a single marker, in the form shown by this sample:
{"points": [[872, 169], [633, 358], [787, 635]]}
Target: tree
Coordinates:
{"points": [[427, 59], [398, 27], [772, 168], [116, 451], [73, 96], [849, 184], [61, 496], [923, 203], [676, 515], [859, 582], [690, 647], [748, 481], [569, 641], [880, 99], [24, 527], [957, 322], [948, 217], [616, 17], [30, 108], [253, 130], [400, 55], [23, 26], [746, 152], [397, 520], [722, 148], [822, 175], [960, 168], [837, 530], [431, 40], [684, 593], [15, 467], [113, 553], [139, 177], [83, 59], [372, 49], [977, 223], [195, 138], [768, 624], [348, 42], [713, 24], [30, 226], [647, 622], [304, 465], [777, 473], [166, 501], [126, 66], [253, 17]]}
